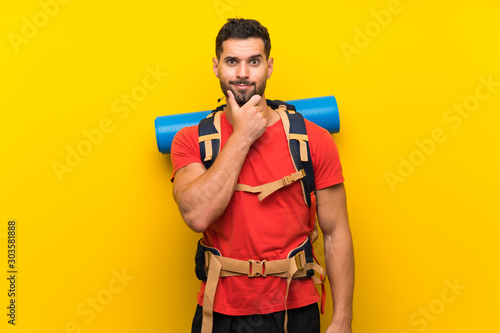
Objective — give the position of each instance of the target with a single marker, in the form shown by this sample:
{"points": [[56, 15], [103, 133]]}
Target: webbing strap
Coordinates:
{"points": [[301, 138], [209, 296], [303, 146], [322, 280], [217, 116], [219, 266], [312, 212], [291, 271], [207, 139], [269, 188], [212, 139]]}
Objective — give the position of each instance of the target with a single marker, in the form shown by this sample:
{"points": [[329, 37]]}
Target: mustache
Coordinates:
{"points": [[242, 82]]}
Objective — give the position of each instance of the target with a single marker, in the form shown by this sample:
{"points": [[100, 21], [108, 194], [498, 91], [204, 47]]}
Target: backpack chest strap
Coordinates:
{"points": [[269, 188]]}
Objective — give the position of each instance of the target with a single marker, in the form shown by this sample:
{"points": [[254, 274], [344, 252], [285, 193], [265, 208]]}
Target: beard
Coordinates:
{"points": [[242, 96]]}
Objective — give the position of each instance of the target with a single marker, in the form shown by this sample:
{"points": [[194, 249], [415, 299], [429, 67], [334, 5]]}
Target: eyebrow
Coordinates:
{"points": [[236, 58]]}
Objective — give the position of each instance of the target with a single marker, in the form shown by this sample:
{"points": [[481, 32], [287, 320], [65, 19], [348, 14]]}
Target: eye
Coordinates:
{"points": [[254, 61], [231, 62]]}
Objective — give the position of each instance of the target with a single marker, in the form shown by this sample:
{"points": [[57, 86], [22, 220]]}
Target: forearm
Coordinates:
{"points": [[203, 195], [204, 199], [339, 260]]}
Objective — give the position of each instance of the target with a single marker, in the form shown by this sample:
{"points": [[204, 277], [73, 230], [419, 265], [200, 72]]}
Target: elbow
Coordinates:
{"points": [[197, 217], [195, 222], [197, 227]]}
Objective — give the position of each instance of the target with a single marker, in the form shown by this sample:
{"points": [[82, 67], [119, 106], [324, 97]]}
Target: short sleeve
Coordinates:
{"points": [[185, 148]]}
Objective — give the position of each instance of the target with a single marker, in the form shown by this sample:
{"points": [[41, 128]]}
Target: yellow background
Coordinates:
{"points": [[113, 214]]}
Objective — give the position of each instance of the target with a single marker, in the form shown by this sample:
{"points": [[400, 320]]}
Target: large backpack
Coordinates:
{"points": [[209, 130]]}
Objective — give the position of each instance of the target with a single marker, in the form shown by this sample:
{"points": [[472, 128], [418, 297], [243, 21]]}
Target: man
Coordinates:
{"points": [[254, 151]]}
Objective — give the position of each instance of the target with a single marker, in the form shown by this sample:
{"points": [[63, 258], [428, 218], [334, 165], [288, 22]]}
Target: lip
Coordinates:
{"points": [[241, 86]]}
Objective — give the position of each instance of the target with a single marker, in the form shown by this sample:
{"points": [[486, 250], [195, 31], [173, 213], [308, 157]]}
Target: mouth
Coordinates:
{"points": [[242, 85]]}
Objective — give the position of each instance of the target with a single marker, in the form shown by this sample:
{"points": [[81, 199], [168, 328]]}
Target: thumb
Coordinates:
{"points": [[231, 101], [254, 100]]}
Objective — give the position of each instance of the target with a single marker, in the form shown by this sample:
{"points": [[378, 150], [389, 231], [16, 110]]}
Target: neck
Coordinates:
{"points": [[271, 115]]}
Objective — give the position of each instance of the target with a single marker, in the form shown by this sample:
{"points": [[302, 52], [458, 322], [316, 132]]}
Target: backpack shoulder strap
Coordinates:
{"points": [[298, 143], [209, 137]]}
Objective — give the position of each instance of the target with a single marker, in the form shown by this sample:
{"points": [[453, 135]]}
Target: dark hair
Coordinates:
{"points": [[239, 28]]}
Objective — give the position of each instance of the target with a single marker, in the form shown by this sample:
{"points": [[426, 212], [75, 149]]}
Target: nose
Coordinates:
{"points": [[242, 71]]}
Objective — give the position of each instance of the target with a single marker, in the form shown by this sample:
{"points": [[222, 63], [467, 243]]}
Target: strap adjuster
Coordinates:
{"points": [[287, 180], [256, 268], [290, 179], [208, 256], [300, 260]]}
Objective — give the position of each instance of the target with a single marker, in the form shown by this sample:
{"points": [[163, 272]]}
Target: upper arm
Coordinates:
{"points": [[332, 209], [185, 176]]}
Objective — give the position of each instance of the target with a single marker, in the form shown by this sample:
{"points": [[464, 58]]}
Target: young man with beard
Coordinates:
{"points": [[254, 151]]}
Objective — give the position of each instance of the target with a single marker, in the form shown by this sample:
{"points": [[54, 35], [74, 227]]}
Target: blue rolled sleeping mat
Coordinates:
{"points": [[322, 111]]}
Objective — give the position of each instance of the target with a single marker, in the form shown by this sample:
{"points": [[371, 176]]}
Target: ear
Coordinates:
{"points": [[270, 67], [215, 66]]}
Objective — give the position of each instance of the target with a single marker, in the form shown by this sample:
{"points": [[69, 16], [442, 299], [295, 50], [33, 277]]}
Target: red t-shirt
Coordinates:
{"points": [[263, 230]]}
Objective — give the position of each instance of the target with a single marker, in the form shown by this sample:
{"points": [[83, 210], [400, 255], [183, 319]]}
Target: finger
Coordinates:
{"points": [[254, 100], [231, 101]]}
